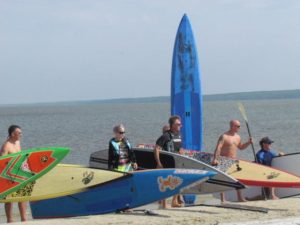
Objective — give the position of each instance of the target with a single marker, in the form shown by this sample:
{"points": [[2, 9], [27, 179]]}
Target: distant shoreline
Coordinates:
{"points": [[238, 96]]}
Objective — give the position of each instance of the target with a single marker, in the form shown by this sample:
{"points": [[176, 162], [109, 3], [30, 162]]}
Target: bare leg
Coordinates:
{"points": [[240, 196], [175, 201], [8, 211], [179, 199], [273, 196], [164, 204], [222, 196], [22, 209]]}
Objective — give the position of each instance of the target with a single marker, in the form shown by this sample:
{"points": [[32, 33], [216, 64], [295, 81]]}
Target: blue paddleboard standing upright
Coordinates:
{"points": [[186, 97]]}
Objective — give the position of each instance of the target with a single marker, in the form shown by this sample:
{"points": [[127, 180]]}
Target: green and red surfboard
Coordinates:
{"points": [[19, 169]]}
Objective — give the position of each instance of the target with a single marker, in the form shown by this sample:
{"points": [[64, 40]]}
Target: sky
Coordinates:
{"points": [[69, 50]]}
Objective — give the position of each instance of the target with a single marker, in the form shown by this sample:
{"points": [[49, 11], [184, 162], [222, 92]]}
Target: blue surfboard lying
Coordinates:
{"points": [[133, 190], [186, 97]]}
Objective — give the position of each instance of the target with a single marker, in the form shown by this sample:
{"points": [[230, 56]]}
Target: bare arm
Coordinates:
{"points": [[157, 148], [245, 145]]}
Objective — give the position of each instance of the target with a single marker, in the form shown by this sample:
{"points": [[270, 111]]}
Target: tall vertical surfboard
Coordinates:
{"points": [[186, 97]]}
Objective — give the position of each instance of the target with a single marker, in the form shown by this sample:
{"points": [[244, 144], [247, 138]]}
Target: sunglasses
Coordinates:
{"points": [[121, 132]]}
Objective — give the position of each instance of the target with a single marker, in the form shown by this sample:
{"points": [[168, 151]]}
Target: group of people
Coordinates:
{"points": [[228, 144], [122, 158]]}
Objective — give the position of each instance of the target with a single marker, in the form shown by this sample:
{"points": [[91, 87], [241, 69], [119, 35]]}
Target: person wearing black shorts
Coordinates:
{"points": [[169, 141]]}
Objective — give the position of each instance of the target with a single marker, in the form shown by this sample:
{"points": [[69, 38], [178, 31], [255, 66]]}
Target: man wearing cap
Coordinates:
{"points": [[265, 156]]}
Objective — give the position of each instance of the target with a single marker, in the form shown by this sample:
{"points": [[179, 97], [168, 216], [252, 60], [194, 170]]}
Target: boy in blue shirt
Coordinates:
{"points": [[265, 156]]}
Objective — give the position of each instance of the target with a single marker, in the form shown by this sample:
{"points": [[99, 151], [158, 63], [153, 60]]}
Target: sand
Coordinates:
{"points": [[283, 211]]}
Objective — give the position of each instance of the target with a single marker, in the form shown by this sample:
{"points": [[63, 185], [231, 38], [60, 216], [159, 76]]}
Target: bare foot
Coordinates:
{"points": [[242, 200], [161, 206], [176, 205], [274, 197], [128, 211], [180, 201]]}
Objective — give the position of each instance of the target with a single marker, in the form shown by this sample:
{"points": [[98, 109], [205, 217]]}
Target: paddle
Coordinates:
{"points": [[234, 206], [243, 112]]}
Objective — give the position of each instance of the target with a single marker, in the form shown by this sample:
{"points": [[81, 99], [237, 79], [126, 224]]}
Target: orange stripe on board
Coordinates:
{"points": [[39, 161]]}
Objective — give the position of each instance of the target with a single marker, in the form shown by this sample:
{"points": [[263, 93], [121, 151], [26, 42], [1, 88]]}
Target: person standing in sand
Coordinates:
{"points": [[121, 157], [227, 146], [170, 141], [13, 145], [264, 156]]}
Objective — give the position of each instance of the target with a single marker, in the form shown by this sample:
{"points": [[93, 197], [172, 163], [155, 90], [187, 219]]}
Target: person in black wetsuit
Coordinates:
{"points": [[170, 140]]}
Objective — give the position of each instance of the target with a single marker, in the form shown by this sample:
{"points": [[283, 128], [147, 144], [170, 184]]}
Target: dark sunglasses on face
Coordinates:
{"points": [[121, 132]]}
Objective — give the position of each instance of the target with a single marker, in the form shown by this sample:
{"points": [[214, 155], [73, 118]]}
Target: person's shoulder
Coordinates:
{"points": [[167, 135], [227, 136], [112, 140], [6, 148], [125, 139], [163, 138], [259, 152], [236, 135], [6, 145]]}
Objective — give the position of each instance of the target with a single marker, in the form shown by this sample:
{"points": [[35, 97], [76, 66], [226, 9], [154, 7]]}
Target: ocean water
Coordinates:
{"points": [[86, 128]]}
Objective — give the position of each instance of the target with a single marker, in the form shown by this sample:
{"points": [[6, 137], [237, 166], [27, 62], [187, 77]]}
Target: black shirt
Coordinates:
{"points": [[169, 142]]}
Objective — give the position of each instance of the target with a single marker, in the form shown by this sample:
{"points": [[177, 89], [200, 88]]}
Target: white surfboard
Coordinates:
{"points": [[291, 164], [145, 160]]}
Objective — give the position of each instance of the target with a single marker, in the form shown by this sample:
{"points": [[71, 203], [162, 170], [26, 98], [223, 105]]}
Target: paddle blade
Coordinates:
{"points": [[242, 110]]}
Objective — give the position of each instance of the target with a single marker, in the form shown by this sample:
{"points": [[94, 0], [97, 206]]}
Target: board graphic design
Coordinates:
{"points": [[132, 190], [19, 169], [64, 179]]}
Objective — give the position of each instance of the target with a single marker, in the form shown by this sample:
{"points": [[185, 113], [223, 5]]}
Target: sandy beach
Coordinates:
{"points": [[283, 211]]}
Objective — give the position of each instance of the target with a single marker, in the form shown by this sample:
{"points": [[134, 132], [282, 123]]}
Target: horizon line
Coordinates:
{"points": [[136, 98]]}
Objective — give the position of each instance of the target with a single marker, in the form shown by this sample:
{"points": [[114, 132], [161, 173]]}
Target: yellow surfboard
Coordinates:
{"points": [[64, 179], [251, 173]]}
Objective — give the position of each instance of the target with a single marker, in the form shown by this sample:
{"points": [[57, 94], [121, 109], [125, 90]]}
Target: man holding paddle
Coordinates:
{"points": [[227, 146]]}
